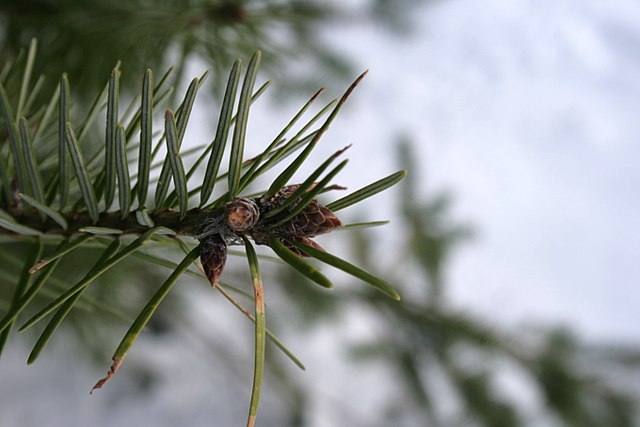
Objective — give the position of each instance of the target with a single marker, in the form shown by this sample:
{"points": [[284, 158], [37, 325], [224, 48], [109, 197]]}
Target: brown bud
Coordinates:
{"points": [[241, 214], [213, 255], [314, 220]]}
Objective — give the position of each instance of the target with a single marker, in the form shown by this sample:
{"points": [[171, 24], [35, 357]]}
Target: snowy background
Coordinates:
{"points": [[527, 112]]}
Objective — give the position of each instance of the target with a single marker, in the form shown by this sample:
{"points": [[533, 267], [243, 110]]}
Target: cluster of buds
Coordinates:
{"points": [[245, 217]]}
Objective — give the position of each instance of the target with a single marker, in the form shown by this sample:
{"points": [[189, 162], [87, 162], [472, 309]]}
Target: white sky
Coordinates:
{"points": [[528, 112]]}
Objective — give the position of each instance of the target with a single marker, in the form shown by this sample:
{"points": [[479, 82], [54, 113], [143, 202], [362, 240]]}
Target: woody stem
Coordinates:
{"points": [[129, 225]]}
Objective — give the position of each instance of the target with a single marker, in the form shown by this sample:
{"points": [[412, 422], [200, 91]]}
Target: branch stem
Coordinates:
{"points": [[128, 225]]}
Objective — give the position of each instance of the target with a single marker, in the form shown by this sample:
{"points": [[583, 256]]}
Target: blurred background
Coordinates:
{"points": [[514, 239]]}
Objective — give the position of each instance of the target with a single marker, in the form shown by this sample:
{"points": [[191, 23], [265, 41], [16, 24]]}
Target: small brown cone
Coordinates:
{"points": [[213, 256]]}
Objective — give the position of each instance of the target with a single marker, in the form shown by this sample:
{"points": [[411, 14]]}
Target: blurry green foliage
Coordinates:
{"points": [[85, 39]]}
